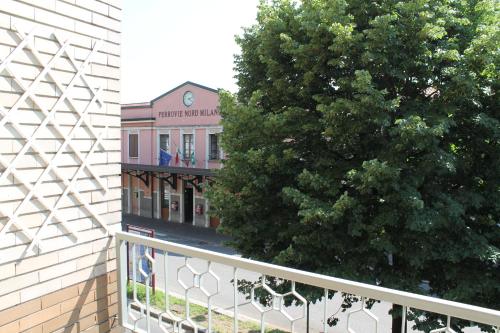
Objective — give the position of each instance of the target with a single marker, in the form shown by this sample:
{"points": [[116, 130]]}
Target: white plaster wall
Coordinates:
{"points": [[62, 259]]}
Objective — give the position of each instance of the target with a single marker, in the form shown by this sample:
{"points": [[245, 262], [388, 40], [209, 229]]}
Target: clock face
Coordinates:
{"points": [[188, 98]]}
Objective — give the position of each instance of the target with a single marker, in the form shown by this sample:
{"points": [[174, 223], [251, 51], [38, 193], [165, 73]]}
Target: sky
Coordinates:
{"points": [[168, 42]]}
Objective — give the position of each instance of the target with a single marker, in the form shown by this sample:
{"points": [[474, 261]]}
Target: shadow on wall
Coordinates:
{"points": [[96, 305]]}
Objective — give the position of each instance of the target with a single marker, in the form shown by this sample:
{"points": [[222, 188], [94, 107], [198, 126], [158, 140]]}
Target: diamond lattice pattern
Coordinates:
{"points": [[55, 147]]}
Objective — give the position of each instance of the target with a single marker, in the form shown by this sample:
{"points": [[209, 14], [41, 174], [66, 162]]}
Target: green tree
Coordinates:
{"points": [[364, 144]]}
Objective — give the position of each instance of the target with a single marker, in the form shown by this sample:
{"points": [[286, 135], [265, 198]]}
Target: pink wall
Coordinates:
{"points": [[146, 144], [200, 147], [175, 141], [213, 165], [124, 147], [171, 111], [136, 113]]}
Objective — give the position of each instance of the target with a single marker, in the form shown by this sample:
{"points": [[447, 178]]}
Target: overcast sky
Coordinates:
{"points": [[168, 42]]}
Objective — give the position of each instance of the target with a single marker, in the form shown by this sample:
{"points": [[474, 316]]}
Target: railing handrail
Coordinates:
{"points": [[421, 302]]}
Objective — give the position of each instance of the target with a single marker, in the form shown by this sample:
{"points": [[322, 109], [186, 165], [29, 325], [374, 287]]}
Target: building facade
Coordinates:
{"points": [[59, 165], [170, 148]]}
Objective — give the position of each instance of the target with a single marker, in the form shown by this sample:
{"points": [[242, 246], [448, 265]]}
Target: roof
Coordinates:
{"points": [[168, 169], [150, 104], [137, 105], [182, 85]]}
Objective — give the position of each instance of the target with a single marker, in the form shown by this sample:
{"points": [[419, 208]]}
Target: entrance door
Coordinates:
{"points": [[164, 199], [188, 205]]}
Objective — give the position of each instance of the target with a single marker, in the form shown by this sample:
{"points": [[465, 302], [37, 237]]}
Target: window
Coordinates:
{"points": [[188, 145], [214, 147], [133, 145], [164, 142]]}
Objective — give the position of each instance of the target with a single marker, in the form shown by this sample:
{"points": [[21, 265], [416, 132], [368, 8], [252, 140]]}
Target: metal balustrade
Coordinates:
{"points": [[207, 283]]}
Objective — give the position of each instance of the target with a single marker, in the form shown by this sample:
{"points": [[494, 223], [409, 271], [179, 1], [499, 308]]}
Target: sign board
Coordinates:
{"points": [[140, 251]]}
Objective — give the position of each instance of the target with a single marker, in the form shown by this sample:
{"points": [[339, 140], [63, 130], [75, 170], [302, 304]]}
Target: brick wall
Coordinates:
{"points": [[90, 306], [59, 164]]}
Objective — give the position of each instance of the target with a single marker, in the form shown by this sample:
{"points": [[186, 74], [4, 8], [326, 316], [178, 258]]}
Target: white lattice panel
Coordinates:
{"points": [[49, 141]]}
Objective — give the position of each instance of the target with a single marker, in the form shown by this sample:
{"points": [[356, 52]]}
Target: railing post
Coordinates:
{"points": [[209, 304], [262, 315], [148, 300], [235, 298], [325, 310], [121, 257], [134, 273], [403, 319], [307, 320], [166, 291]]}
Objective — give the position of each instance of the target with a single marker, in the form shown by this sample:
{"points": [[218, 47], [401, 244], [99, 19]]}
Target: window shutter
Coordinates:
{"points": [[133, 145]]}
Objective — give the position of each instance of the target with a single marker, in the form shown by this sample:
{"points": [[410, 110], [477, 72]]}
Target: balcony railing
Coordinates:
{"points": [[189, 278]]}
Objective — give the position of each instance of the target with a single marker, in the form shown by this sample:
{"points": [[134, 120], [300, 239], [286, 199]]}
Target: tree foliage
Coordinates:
{"points": [[364, 143]]}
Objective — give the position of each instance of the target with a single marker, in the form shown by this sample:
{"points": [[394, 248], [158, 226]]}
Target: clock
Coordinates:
{"points": [[188, 98]]}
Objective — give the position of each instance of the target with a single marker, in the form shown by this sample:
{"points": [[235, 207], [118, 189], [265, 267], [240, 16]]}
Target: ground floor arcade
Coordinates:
{"points": [[172, 194]]}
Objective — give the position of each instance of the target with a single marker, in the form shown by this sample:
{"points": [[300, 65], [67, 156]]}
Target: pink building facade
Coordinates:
{"points": [[170, 148]]}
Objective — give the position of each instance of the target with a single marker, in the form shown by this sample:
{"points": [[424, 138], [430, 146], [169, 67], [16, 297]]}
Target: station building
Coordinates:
{"points": [[170, 149]]}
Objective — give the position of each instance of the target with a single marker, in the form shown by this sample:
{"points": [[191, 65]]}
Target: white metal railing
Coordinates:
{"points": [[139, 316]]}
